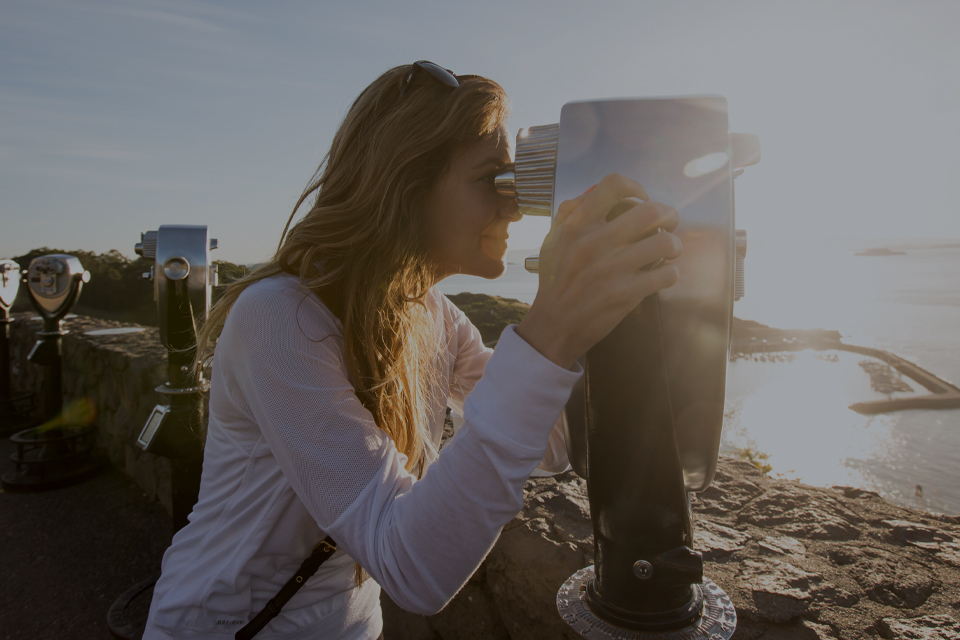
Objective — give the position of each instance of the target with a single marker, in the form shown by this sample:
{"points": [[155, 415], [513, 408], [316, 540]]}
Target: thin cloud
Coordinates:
{"points": [[101, 154]]}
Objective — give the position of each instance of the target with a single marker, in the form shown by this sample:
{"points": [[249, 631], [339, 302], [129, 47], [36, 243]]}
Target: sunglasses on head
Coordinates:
{"points": [[435, 71]]}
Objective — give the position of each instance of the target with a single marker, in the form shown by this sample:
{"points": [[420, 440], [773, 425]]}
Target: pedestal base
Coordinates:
{"points": [[718, 622], [53, 459], [16, 414], [127, 617]]}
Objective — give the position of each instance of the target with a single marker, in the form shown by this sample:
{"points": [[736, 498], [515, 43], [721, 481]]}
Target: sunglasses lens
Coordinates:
{"points": [[439, 73]]}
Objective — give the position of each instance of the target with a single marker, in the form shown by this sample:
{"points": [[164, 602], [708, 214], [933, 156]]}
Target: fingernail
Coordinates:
{"points": [[590, 189]]}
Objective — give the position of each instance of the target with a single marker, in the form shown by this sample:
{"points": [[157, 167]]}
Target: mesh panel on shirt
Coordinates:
{"points": [[281, 359]]}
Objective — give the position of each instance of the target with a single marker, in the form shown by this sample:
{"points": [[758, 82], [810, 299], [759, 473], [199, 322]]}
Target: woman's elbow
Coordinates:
{"points": [[421, 604]]}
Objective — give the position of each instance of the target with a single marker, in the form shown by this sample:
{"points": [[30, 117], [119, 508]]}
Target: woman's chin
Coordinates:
{"points": [[491, 268]]}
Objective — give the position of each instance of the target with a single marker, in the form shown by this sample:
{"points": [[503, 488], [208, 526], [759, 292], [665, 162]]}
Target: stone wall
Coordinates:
{"points": [[799, 563]]}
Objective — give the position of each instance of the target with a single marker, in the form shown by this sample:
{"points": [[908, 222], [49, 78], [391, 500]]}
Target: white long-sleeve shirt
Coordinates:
{"points": [[292, 456]]}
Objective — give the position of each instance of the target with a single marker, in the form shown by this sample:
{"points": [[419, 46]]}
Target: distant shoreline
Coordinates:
{"points": [[880, 251]]}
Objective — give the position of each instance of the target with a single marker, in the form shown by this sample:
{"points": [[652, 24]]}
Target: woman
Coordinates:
{"points": [[338, 358]]}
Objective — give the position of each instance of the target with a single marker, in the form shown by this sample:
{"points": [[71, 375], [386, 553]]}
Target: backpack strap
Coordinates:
{"points": [[321, 553]]}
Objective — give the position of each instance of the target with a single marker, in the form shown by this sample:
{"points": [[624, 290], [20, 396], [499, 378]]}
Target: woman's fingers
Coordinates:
{"points": [[642, 220], [596, 203], [567, 207], [590, 268], [660, 246], [645, 283]]}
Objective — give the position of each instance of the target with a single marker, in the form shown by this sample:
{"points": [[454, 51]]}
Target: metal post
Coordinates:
{"points": [[647, 576], [12, 411], [644, 427]]}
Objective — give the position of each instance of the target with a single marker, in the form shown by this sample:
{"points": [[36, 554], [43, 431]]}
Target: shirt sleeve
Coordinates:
{"points": [[471, 358], [419, 539]]}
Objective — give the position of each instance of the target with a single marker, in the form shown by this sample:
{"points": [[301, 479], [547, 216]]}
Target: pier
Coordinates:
{"points": [[752, 337]]}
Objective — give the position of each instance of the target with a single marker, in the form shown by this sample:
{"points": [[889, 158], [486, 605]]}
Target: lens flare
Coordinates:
{"points": [[706, 164]]}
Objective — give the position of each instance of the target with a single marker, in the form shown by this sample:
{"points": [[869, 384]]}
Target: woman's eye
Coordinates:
{"points": [[490, 178]]}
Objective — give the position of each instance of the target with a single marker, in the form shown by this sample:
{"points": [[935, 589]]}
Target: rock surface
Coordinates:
{"points": [[799, 563]]}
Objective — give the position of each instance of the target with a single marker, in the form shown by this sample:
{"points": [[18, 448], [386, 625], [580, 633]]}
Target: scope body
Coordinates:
{"points": [[643, 427], [9, 286], [183, 276]]}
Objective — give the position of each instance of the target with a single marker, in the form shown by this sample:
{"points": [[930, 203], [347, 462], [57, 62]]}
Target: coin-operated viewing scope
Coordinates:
{"points": [[9, 286], [54, 283], [182, 277], [643, 428], [59, 453]]}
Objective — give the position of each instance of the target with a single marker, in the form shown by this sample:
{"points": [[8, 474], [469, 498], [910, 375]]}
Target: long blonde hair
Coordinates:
{"points": [[360, 246]]}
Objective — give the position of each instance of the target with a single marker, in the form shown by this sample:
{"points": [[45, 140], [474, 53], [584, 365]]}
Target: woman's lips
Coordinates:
{"points": [[500, 244]]}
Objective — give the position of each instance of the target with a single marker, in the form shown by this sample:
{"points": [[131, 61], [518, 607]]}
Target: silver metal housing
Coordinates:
{"points": [[181, 255], [9, 283], [680, 150], [54, 281]]}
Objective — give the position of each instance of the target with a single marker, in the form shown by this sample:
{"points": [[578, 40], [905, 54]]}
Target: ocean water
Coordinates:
{"points": [[795, 411]]}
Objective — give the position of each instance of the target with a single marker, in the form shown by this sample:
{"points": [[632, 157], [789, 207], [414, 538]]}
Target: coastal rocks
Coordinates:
{"points": [[490, 314], [782, 545], [524, 572], [799, 563], [781, 591], [892, 581], [799, 513], [736, 492], [937, 541], [716, 541], [940, 627]]}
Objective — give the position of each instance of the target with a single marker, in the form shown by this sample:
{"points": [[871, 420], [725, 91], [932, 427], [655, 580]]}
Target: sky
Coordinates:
{"points": [[119, 116]]}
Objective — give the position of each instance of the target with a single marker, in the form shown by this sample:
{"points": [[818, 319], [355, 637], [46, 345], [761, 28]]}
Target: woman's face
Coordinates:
{"points": [[466, 219]]}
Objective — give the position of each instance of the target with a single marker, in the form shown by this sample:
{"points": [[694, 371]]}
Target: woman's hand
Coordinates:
{"points": [[591, 273]]}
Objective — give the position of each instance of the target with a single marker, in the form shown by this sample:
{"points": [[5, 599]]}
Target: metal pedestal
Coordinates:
{"points": [[648, 582], [49, 458], [15, 410], [718, 618]]}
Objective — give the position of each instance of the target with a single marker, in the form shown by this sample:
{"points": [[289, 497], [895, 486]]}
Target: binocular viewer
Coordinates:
{"points": [[11, 410], [51, 456], [643, 425], [183, 278], [9, 285], [55, 282]]}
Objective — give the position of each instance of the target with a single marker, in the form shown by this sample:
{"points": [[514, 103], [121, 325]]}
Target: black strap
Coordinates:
{"points": [[326, 548]]}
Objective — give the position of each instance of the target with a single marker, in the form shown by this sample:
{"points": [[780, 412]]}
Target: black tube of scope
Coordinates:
{"points": [[48, 352], [5, 391], [647, 575]]}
